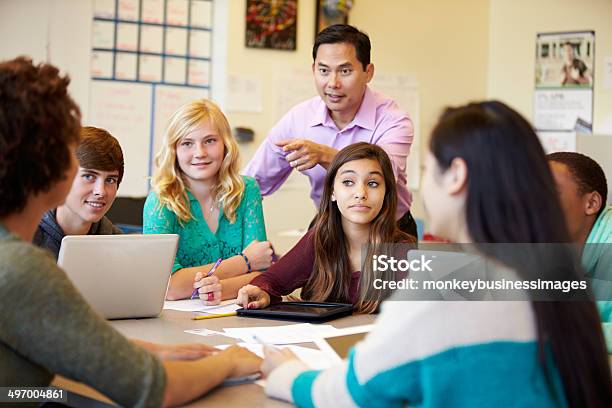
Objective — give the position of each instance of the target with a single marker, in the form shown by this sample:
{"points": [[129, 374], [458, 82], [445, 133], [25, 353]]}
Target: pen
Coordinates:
{"points": [[195, 294], [213, 316]]}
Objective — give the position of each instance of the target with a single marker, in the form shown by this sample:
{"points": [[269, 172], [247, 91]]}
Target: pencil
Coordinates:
{"points": [[214, 316], [195, 294]]}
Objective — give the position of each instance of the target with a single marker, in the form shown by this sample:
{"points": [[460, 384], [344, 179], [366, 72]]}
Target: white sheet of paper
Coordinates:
{"points": [[127, 36], [244, 93], [313, 358], [557, 141], [176, 12], [151, 39], [196, 305], [175, 70], [201, 13], [559, 109], [103, 34], [129, 9], [176, 41], [297, 86], [607, 73], [288, 334], [199, 43], [104, 8], [153, 11], [102, 64], [150, 68], [206, 332]]}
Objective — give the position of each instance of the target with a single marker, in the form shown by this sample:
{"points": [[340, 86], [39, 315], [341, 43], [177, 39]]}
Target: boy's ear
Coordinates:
{"points": [[593, 203]]}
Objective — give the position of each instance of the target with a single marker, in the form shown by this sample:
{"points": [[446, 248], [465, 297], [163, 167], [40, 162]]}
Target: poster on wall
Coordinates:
{"points": [[331, 12], [271, 24], [564, 74]]}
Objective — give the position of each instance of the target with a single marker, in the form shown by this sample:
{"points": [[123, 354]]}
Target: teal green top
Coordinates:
{"points": [[197, 244], [597, 260]]}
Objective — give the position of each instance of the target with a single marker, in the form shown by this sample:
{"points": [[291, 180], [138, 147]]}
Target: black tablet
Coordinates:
{"points": [[300, 311]]}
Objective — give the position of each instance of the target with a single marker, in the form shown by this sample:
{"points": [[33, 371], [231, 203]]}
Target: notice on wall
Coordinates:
{"points": [[404, 90], [563, 99], [296, 85], [607, 73], [244, 94], [558, 141], [557, 109]]}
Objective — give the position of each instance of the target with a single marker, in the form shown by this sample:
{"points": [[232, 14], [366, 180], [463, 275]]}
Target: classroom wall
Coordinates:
{"points": [[58, 31], [442, 43], [513, 28], [456, 51], [403, 33]]}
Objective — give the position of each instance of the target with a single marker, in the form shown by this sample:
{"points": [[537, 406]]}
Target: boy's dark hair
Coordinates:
{"points": [[99, 150], [589, 175], [38, 123], [344, 33]]}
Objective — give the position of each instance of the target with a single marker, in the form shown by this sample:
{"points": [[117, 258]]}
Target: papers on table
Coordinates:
{"points": [[275, 335], [313, 358], [288, 334], [206, 332], [196, 305]]}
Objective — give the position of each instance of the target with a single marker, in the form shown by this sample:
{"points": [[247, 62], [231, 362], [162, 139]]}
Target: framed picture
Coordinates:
{"points": [[330, 12], [271, 24]]}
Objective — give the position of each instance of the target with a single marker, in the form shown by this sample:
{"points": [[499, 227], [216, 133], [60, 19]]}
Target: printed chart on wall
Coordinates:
{"points": [[563, 98], [148, 58]]}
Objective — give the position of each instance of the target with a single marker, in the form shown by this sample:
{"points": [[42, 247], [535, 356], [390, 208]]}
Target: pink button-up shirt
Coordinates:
{"points": [[378, 121]]}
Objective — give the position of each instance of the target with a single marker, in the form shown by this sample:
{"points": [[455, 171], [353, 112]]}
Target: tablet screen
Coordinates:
{"points": [[300, 311], [293, 308]]}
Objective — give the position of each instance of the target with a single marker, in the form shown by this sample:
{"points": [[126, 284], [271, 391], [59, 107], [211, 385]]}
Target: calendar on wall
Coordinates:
{"points": [[152, 41]]}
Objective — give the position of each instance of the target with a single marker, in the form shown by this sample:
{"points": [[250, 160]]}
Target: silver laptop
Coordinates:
{"points": [[120, 276]]}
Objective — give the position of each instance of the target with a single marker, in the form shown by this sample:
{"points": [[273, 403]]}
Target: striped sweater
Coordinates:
{"points": [[433, 354]]}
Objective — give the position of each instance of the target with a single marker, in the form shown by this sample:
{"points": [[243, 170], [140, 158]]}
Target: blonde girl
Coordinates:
{"points": [[199, 194]]}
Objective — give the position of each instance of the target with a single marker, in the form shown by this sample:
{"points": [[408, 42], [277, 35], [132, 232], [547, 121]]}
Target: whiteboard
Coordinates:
{"points": [[124, 109]]}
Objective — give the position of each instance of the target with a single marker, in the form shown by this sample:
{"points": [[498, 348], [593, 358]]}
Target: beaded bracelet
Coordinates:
{"points": [[249, 269]]}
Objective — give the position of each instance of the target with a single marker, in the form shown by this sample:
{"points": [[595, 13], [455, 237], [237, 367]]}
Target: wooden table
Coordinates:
{"points": [[170, 328]]}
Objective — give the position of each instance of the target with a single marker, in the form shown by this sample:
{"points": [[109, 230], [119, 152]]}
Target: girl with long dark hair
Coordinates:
{"points": [[486, 182], [357, 211]]}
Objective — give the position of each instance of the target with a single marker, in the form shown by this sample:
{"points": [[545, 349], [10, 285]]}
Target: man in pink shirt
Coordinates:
{"points": [[346, 111]]}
